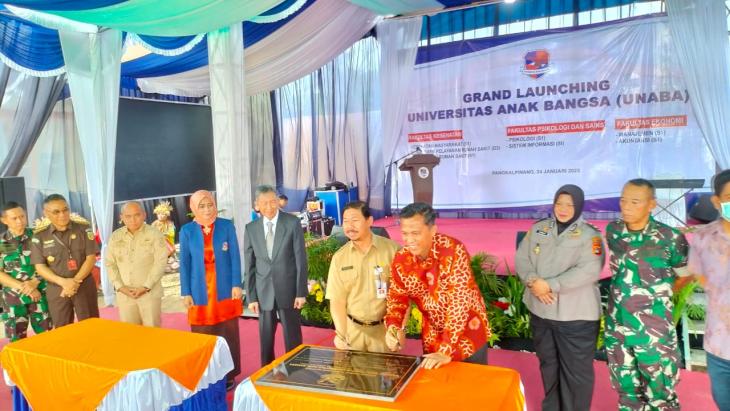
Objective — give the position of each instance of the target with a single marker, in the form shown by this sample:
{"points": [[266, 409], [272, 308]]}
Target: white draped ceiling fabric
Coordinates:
{"points": [[93, 69], [705, 68], [398, 47], [171, 18], [318, 35], [227, 103], [91, 42]]}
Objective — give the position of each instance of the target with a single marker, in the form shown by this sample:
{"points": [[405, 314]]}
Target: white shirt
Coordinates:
{"points": [[273, 227]]}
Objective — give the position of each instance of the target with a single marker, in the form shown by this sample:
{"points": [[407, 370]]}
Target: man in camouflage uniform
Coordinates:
{"points": [[641, 341], [23, 290]]}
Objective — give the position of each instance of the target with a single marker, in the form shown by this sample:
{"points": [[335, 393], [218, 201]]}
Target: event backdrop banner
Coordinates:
{"points": [[513, 122]]}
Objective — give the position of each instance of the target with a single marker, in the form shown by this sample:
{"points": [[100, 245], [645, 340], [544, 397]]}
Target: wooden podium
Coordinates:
{"points": [[421, 168]]}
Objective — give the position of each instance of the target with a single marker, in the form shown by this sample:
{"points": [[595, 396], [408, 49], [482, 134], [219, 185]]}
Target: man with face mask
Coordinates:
{"points": [[641, 341], [709, 261], [357, 283], [560, 262]]}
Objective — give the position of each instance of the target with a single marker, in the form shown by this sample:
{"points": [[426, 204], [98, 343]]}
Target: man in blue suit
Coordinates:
{"points": [[276, 272]]}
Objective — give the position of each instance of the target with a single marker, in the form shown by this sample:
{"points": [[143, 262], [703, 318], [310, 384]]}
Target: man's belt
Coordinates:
{"points": [[365, 323]]}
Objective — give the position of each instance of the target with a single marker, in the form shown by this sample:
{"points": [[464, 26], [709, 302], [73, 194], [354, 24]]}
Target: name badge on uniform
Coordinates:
{"points": [[381, 287], [349, 267], [544, 231]]}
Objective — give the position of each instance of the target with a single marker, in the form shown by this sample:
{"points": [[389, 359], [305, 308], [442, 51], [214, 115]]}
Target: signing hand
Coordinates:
{"points": [[341, 343], [236, 293], [435, 360], [299, 302], [395, 338], [254, 307], [188, 301]]}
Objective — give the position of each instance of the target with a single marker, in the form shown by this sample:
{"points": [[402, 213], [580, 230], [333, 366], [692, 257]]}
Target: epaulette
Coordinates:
{"points": [[78, 219], [41, 224], [592, 226]]}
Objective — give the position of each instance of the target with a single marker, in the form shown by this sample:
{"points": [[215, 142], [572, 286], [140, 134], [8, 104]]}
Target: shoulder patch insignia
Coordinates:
{"points": [[596, 245]]}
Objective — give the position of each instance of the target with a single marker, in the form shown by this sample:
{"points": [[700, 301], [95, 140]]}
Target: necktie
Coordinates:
{"points": [[270, 238]]}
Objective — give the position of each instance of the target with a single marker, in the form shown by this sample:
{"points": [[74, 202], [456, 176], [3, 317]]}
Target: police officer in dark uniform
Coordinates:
{"points": [[64, 253]]}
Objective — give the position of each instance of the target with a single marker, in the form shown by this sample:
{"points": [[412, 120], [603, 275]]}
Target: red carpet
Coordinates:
{"points": [[693, 390], [496, 237]]}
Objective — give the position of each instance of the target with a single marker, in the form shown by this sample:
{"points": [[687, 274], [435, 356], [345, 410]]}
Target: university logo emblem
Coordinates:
{"points": [[537, 63]]}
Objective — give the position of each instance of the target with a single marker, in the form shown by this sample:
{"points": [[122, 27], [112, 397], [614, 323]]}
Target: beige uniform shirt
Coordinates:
{"points": [[353, 275], [136, 260]]}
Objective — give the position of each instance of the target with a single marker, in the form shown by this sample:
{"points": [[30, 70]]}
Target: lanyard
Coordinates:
{"points": [[67, 247]]}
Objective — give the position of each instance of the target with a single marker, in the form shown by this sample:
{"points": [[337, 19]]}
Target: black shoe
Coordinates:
{"points": [[230, 384]]}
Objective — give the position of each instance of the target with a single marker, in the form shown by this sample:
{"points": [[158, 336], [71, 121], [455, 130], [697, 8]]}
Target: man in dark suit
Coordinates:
{"points": [[276, 272]]}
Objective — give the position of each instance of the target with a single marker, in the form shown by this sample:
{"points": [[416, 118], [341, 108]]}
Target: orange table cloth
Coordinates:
{"points": [[74, 367], [455, 386]]}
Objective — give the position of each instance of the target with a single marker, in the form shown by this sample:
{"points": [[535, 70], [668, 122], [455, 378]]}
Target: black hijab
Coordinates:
{"points": [[576, 193]]}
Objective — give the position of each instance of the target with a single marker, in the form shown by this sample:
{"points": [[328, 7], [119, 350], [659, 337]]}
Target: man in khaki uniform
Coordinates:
{"points": [[357, 283], [64, 253], [135, 258]]}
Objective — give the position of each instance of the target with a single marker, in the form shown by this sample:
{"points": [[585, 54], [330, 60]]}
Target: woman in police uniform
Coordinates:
{"points": [[560, 261]]}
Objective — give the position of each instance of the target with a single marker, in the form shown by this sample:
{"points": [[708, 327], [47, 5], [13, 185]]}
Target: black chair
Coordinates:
{"points": [[703, 210]]}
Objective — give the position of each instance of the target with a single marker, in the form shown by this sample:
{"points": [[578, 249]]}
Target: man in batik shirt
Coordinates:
{"points": [[24, 292], [641, 341], [434, 271]]}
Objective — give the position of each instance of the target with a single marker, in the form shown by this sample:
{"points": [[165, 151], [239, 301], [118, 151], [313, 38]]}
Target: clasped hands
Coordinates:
{"points": [[69, 286], [541, 290], [29, 288], [134, 292]]}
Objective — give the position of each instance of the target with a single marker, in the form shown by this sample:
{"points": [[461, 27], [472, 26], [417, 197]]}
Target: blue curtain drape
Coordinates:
{"points": [[29, 45]]}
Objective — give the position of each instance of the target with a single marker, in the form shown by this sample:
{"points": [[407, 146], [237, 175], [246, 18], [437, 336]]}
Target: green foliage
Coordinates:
{"points": [[316, 312], [415, 322], [508, 315], [319, 255], [696, 312], [601, 336], [681, 299]]}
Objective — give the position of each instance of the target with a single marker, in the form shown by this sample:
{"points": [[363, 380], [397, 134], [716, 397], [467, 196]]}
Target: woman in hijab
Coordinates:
{"points": [[210, 275], [560, 261]]}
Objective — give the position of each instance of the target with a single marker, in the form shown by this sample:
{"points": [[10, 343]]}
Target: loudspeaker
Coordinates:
{"points": [[703, 210], [12, 189]]}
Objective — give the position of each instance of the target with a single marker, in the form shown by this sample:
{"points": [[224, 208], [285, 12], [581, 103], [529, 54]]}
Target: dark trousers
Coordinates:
{"points": [[85, 303], [291, 324], [229, 331], [479, 357], [566, 350]]}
